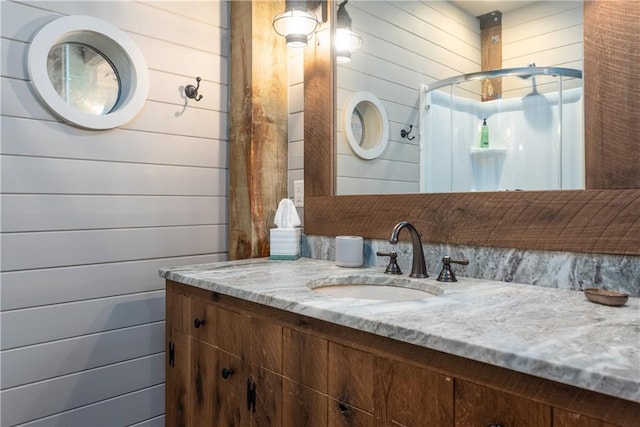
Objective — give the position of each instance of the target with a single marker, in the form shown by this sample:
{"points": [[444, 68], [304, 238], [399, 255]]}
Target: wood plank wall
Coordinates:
{"points": [[88, 217]]}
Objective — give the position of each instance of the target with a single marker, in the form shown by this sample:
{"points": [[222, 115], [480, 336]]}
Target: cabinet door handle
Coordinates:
{"points": [[197, 323], [251, 396], [226, 373]]}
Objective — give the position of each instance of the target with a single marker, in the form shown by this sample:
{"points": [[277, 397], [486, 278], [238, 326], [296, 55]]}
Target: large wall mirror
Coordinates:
{"points": [[534, 122], [602, 219]]}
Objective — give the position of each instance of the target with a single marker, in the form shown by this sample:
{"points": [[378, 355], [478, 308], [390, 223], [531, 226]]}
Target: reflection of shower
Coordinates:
{"points": [[536, 108], [536, 136], [533, 80]]}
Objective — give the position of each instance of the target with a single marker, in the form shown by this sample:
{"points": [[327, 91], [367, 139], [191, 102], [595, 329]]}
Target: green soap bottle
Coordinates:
{"points": [[484, 135]]}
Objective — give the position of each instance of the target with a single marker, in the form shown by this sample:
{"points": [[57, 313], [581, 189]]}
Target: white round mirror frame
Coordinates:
{"points": [[114, 45], [374, 122]]}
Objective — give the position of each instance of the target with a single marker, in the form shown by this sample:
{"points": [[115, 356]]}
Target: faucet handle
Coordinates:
{"points": [[446, 275], [392, 267]]}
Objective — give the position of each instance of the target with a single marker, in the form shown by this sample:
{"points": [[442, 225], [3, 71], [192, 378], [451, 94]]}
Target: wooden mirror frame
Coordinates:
{"points": [[605, 218]]}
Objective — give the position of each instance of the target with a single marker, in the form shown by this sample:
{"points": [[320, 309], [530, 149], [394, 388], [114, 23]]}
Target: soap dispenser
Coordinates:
{"points": [[484, 135]]}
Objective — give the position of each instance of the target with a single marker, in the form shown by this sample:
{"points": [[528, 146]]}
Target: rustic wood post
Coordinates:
{"points": [[257, 126]]}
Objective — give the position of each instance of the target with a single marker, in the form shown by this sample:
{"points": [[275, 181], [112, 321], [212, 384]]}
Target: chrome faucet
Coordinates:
{"points": [[418, 267]]}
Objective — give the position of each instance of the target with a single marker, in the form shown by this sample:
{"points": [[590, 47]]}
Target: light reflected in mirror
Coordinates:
{"points": [[83, 77], [411, 44]]}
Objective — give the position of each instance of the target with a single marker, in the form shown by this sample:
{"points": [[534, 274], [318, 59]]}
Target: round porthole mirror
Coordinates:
{"points": [[88, 72], [365, 125]]}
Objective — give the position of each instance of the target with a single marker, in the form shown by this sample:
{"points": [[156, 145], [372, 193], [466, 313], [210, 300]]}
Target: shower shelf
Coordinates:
{"points": [[488, 152]]}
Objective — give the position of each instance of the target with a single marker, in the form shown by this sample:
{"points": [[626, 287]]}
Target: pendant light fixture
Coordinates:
{"points": [[347, 41], [296, 23]]}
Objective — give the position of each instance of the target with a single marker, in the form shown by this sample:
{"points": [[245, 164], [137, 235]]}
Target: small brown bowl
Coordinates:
{"points": [[605, 296]]}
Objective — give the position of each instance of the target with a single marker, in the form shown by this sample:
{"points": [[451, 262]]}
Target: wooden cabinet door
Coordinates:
{"points": [[350, 376], [268, 398], [481, 406], [218, 388], [230, 405], [303, 406], [411, 396], [562, 418], [177, 393], [177, 359]]}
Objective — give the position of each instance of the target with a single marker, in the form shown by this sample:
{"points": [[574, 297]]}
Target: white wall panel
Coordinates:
{"points": [[32, 288], [38, 400], [37, 325], [52, 359], [18, 101], [547, 33], [24, 137], [126, 409], [210, 12], [22, 251], [61, 176], [46, 212], [187, 32]]}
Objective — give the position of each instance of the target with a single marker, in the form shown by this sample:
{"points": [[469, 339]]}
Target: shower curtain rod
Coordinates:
{"points": [[504, 72]]}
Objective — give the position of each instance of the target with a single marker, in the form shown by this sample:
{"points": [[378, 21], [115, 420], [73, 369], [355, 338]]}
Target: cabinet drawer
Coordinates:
{"points": [[480, 406], [177, 309], [203, 321], [410, 395], [350, 376], [304, 359], [562, 418], [266, 340], [234, 333]]}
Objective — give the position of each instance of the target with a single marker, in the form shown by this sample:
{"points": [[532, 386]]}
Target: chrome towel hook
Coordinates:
{"points": [[192, 91]]}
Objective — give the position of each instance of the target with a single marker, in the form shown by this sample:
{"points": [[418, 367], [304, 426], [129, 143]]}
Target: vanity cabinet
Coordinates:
{"points": [[231, 362], [482, 406]]}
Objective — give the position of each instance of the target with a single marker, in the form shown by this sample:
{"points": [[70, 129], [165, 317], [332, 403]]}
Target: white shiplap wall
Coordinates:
{"points": [[89, 217], [409, 43]]}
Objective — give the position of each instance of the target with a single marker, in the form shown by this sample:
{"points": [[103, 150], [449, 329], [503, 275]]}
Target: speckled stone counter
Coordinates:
{"points": [[550, 333]]}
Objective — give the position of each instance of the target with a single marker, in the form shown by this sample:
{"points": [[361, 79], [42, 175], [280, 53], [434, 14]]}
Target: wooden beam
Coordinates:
{"points": [[491, 53], [258, 126], [612, 93], [319, 110]]}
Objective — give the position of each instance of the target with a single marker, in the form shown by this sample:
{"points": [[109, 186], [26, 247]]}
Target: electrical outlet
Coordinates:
{"points": [[298, 193]]}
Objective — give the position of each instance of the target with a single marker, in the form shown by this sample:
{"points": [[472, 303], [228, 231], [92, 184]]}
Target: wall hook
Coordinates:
{"points": [[405, 133], [192, 91]]}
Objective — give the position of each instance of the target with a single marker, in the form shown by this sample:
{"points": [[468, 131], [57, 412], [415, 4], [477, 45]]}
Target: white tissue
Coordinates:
{"points": [[286, 215]]}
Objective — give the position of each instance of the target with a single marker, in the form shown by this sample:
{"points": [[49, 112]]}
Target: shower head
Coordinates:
{"points": [[532, 65]]}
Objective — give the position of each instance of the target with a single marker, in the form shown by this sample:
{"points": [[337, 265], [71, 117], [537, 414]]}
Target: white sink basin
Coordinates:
{"points": [[375, 287]]}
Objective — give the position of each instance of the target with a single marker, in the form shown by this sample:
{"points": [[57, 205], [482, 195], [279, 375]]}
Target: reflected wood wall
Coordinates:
{"points": [[612, 93]]}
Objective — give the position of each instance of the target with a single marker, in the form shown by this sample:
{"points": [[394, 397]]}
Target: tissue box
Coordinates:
{"points": [[285, 243]]}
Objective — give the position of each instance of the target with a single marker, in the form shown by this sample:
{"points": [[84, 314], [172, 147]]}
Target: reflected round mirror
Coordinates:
{"points": [[357, 127], [365, 125], [83, 77]]}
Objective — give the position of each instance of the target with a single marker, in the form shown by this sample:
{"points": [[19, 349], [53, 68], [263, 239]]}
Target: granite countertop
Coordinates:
{"points": [[554, 334]]}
